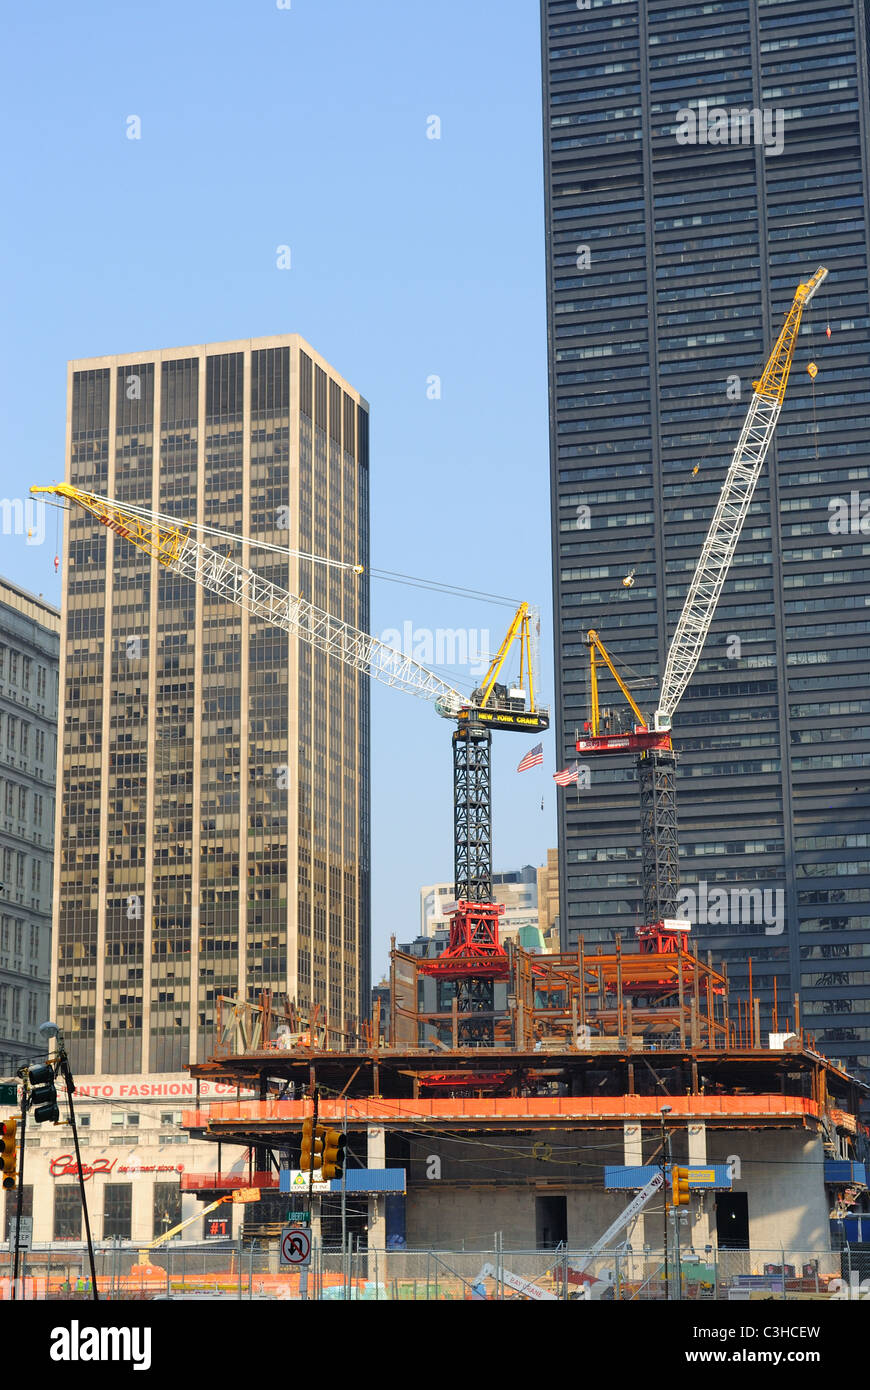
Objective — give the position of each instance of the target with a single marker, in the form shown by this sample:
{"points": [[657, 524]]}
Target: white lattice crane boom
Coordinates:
{"points": [[734, 500], [177, 547]]}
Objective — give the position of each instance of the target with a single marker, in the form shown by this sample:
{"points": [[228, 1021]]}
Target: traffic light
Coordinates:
{"points": [[334, 1145], [680, 1186], [9, 1156], [43, 1093], [310, 1155]]}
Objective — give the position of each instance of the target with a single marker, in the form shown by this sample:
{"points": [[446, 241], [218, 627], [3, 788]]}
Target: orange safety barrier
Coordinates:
{"points": [[443, 1110], [207, 1182]]}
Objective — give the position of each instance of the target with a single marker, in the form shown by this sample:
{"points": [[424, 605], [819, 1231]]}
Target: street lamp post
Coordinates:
{"points": [[20, 1193], [665, 1155], [51, 1030]]}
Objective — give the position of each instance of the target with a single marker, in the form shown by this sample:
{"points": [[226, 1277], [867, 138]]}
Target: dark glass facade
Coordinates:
{"points": [[671, 259], [67, 1212], [214, 832]]}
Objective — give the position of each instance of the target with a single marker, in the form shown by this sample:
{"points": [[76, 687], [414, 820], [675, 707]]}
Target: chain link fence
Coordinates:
{"points": [[252, 1270]]}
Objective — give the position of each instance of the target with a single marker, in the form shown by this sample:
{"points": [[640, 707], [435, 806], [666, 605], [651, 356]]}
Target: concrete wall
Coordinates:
{"points": [[782, 1171]]}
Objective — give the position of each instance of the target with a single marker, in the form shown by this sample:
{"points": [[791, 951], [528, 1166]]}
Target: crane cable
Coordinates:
{"points": [[387, 576]]}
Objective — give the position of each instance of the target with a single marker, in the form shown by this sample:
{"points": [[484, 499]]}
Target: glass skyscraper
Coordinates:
{"points": [[701, 160], [213, 837]]}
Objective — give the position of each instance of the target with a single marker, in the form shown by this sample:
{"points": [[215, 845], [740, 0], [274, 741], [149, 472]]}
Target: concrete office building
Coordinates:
{"points": [[516, 888], [214, 834], [142, 1170], [29, 646], [676, 236]]}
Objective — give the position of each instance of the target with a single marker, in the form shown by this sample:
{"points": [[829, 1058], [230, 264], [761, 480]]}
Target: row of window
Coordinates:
{"points": [[14, 863], [17, 669], [16, 1001], [16, 734], [12, 937], [117, 1211], [16, 799]]}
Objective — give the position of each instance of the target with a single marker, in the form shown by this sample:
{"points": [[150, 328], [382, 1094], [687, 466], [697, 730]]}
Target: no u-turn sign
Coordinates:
{"points": [[295, 1247]]}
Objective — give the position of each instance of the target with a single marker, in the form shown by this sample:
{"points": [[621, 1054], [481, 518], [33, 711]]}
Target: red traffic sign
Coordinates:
{"points": [[295, 1246]]}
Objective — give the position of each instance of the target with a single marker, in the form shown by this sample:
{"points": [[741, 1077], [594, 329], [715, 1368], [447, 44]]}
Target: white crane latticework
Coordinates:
{"points": [[717, 554], [296, 616]]}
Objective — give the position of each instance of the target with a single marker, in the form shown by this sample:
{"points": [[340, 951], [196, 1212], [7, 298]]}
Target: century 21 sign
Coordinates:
{"points": [[65, 1166]]}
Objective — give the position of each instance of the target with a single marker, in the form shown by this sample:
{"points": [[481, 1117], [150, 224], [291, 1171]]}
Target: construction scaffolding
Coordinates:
{"points": [[618, 1001]]}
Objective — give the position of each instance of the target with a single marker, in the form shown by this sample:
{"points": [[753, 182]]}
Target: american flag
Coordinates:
{"points": [[567, 775], [533, 757]]}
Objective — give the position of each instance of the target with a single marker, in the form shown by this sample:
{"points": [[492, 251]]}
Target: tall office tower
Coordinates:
{"points": [[214, 829], [678, 229], [29, 648]]}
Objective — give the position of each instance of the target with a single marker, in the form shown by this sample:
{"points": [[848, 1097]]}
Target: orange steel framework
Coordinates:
{"points": [[570, 1002], [628, 998]]}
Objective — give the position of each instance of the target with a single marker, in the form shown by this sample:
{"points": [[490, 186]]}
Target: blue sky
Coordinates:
{"points": [[411, 257]]}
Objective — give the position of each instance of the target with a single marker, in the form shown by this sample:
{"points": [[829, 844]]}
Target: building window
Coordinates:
{"points": [[117, 1210], [40, 682], [167, 1207], [118, 1119], [67, 1212]]}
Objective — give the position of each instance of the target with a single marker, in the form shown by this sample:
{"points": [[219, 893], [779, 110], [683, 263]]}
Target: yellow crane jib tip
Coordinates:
{"points": [[806, 292], [61, 489]]}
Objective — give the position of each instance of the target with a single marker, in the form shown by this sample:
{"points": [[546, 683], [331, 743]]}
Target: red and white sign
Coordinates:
{"points": [[65, 1166], [296, 1246], [160, 1086]]}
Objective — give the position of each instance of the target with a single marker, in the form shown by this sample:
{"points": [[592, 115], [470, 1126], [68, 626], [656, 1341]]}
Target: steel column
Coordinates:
{"points": [[658, 822], [472, 813], [472, 863]]}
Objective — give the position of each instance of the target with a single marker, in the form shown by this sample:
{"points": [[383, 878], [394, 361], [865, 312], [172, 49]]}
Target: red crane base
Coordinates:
{"points": [[474, 948]]}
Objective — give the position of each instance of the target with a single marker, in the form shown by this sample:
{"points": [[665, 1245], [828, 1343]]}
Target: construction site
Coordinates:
{"points": [[537, 1090], [596, 1060]]}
